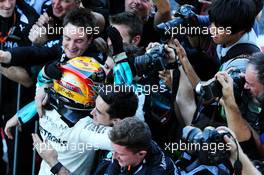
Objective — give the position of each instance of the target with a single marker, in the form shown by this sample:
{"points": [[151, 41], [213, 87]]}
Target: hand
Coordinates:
{"points": [[5, 56], [232, 143], [174, 43], [38, 35], [100, 44], [44, 20], [52, 71], [12, 122], [165, 75], [170, 53], [41, 99], [227, 86], [109, 64], [45, 150], [116, 40], [151, 45]]}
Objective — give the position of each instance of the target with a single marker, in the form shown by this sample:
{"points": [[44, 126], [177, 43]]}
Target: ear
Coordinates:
{"points": [[240, 33], [142, 153], [115, 120], [136, 40]]}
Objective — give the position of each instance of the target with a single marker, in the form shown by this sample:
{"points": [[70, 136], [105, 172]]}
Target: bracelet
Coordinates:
{"points": [[56, 168], [119, 57]]}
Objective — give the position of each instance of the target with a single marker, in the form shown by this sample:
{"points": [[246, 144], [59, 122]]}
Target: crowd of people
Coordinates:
{"points": [[119, 87]]}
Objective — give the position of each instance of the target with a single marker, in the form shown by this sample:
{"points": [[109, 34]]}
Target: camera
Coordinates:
{"points": [[185, 12], [152, 61], [212, 149], [259, 164], [212, 88]]}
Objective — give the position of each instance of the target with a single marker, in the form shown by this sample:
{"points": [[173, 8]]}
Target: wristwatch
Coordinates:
{"points": [[56, 168]]}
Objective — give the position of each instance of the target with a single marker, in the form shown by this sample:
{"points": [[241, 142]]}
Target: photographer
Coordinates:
{"points": [[231, 36], [236, 151], [169, 108], [200, 157], [246, 135]]}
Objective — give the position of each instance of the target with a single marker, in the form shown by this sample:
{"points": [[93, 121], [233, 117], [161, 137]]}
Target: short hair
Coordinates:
{"points": [[132, 133], [80, 17], [257, 60], [237, 14], [129, 19], [122, 100], [259, 5]]}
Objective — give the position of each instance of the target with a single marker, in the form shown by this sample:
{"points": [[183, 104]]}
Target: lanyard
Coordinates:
{"points": [[11, 30]]}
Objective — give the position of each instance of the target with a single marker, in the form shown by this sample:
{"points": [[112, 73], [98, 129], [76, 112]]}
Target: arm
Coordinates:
{"points": [[17, 74], [185, 105], [188, 69], [163, 11], [95, 136], [247, 167], [259, 145], [38, 33], [234, 119], [21, 117], [44, 81], [121, 69], [29, 55], [48, 154], [33, 55]]}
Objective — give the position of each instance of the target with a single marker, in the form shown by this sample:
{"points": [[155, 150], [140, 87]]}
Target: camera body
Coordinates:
{"points": [[213, 89], [184, 15], [206, 138], [152, 61]]}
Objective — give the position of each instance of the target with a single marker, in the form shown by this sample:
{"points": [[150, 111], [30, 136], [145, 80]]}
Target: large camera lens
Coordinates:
{"points": [[209, 90], [208, 152], [212, 88], [152, 61], [192, 134]]}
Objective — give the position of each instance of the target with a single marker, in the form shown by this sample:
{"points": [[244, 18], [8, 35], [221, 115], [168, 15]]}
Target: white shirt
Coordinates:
{"points": [[75, 146], [249, 37]]}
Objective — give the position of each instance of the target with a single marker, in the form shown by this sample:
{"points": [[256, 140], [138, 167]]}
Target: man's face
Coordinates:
{"points": [[7, 8], [60, 7], [99, 113], [139, 7], [75, 41], [126, 157], [253, 84]]}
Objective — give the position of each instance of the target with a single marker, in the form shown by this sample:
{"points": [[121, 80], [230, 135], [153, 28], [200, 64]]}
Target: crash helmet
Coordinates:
{"points": [[74, 94]]}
